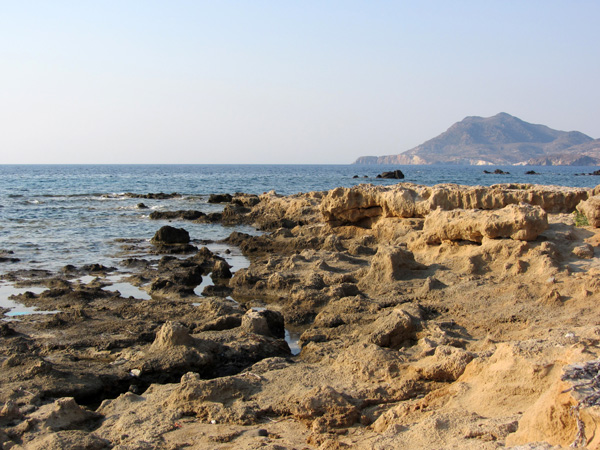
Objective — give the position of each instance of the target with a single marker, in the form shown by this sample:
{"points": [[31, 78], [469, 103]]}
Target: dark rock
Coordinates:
{"points": [[174, 249], [181, 214], [211, 218], [6, 330], [220, 198], [221, 270], [97, 268], [192, 215], [4, 256], [216, 290], [153, 196], [226, 322], [235, 214], [141, 206], [168, 235], [247, 200], [531, 172], [496, 172], [4, 259], [395, 175], [136, 262]]}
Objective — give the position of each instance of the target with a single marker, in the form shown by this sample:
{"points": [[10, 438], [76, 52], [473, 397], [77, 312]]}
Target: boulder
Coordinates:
{"points": [[221, 270], [585, 251], [168, 235], [394, 175], [520, 222], [590, 208], [394, 329]]}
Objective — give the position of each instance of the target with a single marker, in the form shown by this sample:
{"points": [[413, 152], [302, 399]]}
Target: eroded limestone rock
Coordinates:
{"points": [[519, 222]]}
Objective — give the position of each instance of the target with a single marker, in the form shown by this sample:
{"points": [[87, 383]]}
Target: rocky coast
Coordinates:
{"points": [[427, 317]]}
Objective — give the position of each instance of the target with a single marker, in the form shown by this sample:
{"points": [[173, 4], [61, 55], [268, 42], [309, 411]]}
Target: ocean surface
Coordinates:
{"points": [[54, 215]]}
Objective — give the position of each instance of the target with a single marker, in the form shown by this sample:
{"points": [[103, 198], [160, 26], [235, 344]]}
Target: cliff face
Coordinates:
{"points": [[501, 140]]}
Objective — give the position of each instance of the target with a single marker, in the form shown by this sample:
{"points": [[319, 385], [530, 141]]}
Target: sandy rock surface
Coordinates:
{"points": [[427, 317]]}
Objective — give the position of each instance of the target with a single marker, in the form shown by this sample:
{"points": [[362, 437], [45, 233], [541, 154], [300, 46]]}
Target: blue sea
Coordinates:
{"points": [[54, 215]]}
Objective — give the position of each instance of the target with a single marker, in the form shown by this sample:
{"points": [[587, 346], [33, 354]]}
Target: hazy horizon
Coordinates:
{"points": [[133, 82]]}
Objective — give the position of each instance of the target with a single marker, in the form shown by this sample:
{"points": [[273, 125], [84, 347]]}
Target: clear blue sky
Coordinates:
{"points": [[118, 81]]}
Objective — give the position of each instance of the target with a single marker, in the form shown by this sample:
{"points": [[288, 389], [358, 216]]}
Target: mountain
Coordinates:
{"points": [[499, 140]]}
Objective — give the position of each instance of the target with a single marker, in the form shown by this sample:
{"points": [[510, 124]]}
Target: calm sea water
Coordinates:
{"points": [[52, 215]]}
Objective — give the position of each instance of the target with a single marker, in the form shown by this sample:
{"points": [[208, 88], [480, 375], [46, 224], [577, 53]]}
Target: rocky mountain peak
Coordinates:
{"points": [[502, 139]]}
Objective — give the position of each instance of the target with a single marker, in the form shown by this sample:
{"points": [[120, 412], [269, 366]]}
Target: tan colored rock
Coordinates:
{"points": [[134, 421], [388, 265], [264, 322], [521, 222], [351, 205], [405, 200], [446, 364], [567, 413], [324, 408], [171, 334], [394, 329], [551, 299], [67, 439], [367, 362], [10, 411], [591, 210], [585, 251], [63, 414]]}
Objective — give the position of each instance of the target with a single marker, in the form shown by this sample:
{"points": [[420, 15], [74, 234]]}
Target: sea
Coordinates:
{"points": [[55, 215]]}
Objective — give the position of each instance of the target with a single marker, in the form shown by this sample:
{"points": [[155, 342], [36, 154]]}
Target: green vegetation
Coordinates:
{"points": [[580, 219]]}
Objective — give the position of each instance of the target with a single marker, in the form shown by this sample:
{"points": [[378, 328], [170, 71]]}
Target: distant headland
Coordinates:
{"points": [[499, 140]]}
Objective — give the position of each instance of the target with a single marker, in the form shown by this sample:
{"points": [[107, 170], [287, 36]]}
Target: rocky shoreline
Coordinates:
{"points": [[428, 317]]}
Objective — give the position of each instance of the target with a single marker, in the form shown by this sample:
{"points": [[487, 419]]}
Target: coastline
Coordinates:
{"points": [[428, 315]]}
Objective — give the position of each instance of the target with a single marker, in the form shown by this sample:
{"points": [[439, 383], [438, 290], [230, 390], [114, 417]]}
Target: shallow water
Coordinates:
{"points": [[125, 289], [18, 309], [293, 340]]}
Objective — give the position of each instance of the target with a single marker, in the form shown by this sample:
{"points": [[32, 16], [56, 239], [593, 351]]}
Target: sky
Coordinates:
{"points": [[283, 82]]}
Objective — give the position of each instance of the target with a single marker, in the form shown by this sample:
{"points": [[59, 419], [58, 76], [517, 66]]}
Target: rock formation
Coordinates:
{"points": [[427, 317]]}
